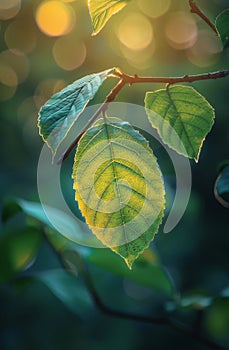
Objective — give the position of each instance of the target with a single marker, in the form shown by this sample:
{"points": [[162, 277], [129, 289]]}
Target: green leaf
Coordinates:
{"points": [[59, 217], [182, 118], [102, 10], [18, 250], [222, 26], [119, 187], [221, 188], [196, 301], [146, 271], [69, 289], [59, 113], [217, 319], [10, 208]]}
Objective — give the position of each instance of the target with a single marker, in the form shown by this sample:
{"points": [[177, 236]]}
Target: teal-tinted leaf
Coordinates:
{"points": [[182, 117], [69, 289], [59, 113], [102, 10], [146, 271], [221, 188], [196, 301], [34, 210], [69, 228], [18, 250], [119, 187], [225, 292], [222, 25]]}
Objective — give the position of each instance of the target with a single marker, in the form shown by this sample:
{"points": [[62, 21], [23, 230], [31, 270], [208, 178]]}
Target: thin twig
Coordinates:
{"points": [[195, 9], [125, 79], [163, 320], [128, 79], [102, 109], [75, 265]]}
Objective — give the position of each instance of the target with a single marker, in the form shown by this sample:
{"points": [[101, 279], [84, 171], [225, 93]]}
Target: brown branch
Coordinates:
{"points": [[195, 9], [125, 79], [128, 79], [102, 109], [160, 320]]}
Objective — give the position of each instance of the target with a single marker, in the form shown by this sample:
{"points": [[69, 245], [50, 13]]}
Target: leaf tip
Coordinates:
{"points": [[94, 33], [129, 261]]}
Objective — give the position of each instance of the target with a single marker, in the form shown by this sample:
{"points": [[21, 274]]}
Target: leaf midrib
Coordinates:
{"points": [[116, 182], [182, 123]]}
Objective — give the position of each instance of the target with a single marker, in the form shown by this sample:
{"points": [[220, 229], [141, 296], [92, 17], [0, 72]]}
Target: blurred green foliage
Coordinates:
{"points": [[33, 65]]}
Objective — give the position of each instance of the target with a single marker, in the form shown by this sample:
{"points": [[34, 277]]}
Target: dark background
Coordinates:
{"points": [[34, 65]]}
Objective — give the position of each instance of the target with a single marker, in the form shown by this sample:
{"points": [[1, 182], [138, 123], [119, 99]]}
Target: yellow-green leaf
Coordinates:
{"points": [[101, 11], [182, 118], [119, 187]]}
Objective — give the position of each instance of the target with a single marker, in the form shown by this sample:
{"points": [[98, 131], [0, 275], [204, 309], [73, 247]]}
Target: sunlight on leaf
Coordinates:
{"points": [[119, 187], [182, 118], [59, 113], [102, 10]]}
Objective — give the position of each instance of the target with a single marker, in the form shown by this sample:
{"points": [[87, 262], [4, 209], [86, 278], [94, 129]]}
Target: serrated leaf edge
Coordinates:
{"points": [[129, 262]]}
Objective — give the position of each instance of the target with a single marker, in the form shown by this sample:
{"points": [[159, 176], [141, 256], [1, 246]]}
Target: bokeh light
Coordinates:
{"points": [[7, 92], [9, 73], [135, 31], [154, 8], [27, 117], [142, 59], [18, 37], [55, 18], [9, 8], [8, 76], [181, 30], [206, 50], [17, 61], [69, 53], [46, 88]]}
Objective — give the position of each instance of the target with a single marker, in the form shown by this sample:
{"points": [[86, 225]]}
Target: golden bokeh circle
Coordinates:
{"points": [[55, 18]]}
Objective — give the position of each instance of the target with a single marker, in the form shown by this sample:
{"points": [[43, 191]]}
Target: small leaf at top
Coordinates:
{"points": [[182, 118], [119, 187], [59, 113], [102, 10], [222, 26]]}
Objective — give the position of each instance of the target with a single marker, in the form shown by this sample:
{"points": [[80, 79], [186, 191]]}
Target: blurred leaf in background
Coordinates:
{"points": [[44, 46]]}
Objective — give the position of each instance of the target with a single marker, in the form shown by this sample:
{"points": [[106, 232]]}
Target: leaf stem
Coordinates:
{"points": [[195, 9], [102, 109], [125, 79]]}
